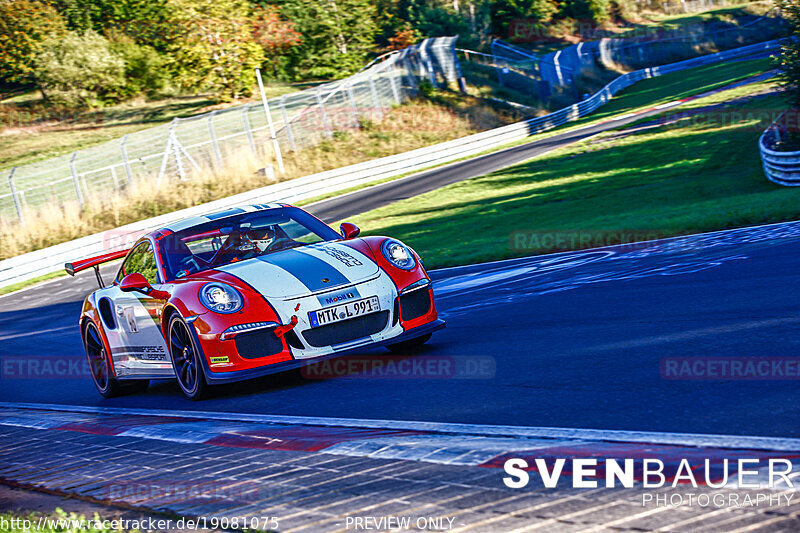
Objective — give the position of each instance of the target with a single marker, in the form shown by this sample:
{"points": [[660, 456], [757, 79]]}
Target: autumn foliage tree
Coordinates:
{"points": [[24, 27], [216, 50], [274, 34]]}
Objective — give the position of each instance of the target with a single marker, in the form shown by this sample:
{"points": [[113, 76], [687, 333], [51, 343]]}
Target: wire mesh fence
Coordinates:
{"points": [[214, 140], [545, 75]]}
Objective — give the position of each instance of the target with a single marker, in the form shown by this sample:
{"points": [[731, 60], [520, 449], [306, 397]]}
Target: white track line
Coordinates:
{"points": [[610, 435]]}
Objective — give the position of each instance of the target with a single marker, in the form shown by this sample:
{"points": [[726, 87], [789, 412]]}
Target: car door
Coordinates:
{"points": [[137, 344]]}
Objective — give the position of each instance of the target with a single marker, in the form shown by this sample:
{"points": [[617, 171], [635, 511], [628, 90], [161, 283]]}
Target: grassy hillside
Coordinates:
{"points": [[657, 178]]}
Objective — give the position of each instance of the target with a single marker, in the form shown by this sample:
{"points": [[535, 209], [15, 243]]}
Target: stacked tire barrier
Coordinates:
{"points": [[780, 167], [52, 259]]}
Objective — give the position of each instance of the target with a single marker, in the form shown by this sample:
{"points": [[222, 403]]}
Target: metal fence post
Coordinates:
{"points": [[247, 129], [392, 81], [167, 150], [114, 177], [352, 99], [176, 153], [375, 102], [275, 144], [125, 160], [213, 135], [412, 79], [287, 124], [15, 196], [321, 106], [75, 181]]}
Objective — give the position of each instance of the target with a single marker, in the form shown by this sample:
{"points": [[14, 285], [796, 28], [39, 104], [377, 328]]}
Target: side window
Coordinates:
{"points": [[140, 260]]}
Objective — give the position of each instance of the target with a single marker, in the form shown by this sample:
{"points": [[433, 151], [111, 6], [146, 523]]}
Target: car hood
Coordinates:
{"points": [[302, 271]]}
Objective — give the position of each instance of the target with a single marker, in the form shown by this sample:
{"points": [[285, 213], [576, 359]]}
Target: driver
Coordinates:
{"points": [[256, 240]]}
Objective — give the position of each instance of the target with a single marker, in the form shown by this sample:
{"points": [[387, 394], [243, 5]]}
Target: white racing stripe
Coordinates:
{"points": [[268, 279]]}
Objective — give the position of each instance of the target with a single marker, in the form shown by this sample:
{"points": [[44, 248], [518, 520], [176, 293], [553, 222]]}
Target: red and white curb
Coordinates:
{"points": [[485, 446]]}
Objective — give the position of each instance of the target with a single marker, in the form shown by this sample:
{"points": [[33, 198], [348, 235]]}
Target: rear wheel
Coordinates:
{"points": [[97, 355], [186, 360], [409, 346]]}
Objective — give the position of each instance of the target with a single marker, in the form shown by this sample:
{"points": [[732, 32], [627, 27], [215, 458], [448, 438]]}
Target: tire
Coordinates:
{"points": [[186, 360], [409, 346], [97, 356]]}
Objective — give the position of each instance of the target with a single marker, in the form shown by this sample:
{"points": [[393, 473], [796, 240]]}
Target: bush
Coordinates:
{"points": [[144, 67], [80, 70]]}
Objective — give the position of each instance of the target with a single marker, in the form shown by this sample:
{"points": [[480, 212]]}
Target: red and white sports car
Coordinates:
{"points": [[247, 292]]}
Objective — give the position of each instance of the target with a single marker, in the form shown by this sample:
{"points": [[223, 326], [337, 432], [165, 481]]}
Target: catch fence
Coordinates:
{"points": [[214, 140]]}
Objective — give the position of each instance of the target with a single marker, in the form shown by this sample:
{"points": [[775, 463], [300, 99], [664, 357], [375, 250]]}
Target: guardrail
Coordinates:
{"points": [[52, 259], [780, 167]]}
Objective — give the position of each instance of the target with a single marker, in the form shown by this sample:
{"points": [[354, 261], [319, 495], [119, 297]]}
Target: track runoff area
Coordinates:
{"points": [[477, 433]]}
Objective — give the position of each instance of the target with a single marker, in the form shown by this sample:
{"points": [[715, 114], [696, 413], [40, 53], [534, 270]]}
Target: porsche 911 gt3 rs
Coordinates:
{"points": [[247, 292]]}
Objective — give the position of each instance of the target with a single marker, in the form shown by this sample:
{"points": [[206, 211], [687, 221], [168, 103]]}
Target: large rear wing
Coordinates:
{"points": [[94, 262]]}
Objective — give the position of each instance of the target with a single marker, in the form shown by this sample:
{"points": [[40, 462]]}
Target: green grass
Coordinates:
{"points": [[677, 85], [669, 181], [22, 284], [661, 90]]}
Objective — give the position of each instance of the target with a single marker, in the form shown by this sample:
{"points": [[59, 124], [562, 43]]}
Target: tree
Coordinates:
{"points": [[80, 70], [338, 36], [275, 35], [505, 11], [215, 49], [789, 61], [147, 22], [144, 67], [433, 18], [403, 38], [594, 11], [24, 27]]}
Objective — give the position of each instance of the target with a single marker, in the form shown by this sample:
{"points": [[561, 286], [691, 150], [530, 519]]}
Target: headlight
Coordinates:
{"points": [[220, 298], [398, 254]]}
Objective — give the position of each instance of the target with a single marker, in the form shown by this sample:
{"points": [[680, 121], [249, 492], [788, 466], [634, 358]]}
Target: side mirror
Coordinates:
{"points": [[349, 231], [135, 282]]}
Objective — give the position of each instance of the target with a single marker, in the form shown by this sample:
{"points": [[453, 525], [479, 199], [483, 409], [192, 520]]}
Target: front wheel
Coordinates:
{"points": [[106, 384], [409, 346], [186, 360]]}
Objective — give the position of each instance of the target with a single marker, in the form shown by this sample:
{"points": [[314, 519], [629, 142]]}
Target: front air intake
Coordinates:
{"points": [[347, 330]]}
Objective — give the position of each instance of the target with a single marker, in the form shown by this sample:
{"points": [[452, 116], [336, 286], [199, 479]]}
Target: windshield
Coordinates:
{"points": [[236, 238]]}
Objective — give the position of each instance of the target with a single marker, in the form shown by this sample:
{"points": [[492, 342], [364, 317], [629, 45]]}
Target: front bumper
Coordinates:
{"points": [[215, 378]]}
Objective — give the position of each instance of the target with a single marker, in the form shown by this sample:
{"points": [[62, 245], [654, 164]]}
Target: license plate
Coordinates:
{"points": [[341, 312]]}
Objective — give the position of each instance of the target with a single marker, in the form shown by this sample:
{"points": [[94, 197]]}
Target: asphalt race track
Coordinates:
{"points": [[578, 340], [567, 340]]}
